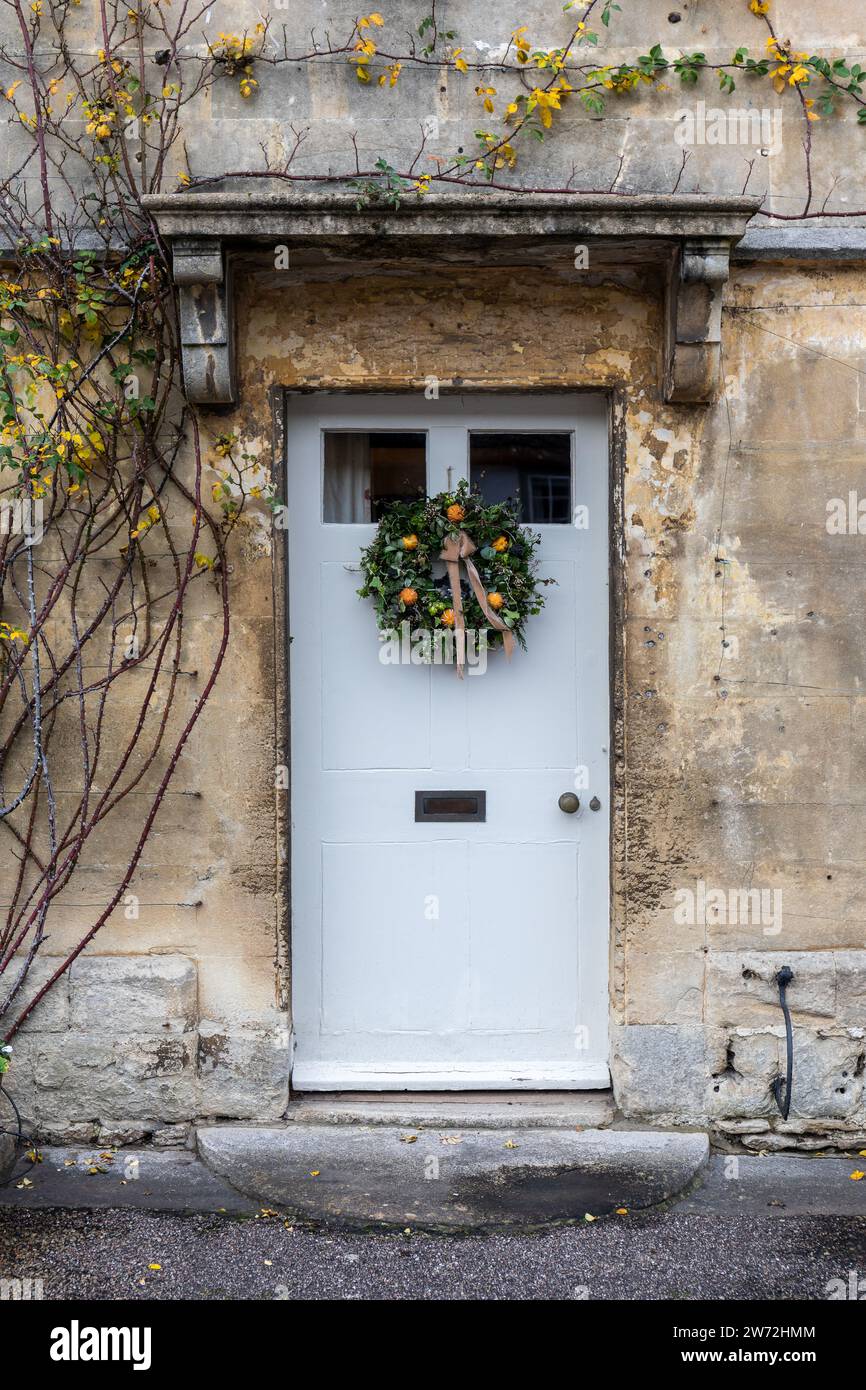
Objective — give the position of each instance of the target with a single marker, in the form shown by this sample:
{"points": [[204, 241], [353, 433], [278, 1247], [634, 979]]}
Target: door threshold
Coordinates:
{"points": [[456, 1109], [585, 1075]]}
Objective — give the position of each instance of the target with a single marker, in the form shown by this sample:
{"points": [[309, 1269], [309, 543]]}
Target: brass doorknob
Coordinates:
{"points": [[569, 803]]}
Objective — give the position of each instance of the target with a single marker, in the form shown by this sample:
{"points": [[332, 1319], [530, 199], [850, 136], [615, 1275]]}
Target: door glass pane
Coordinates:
{"points": [[365, 471], [532, 470]]}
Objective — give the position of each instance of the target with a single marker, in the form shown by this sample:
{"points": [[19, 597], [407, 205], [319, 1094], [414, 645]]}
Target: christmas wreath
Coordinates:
{"points": [[449, 563]]}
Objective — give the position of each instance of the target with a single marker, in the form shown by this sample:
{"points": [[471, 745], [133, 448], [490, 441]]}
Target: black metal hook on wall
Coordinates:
{"points": [[783, 979]]}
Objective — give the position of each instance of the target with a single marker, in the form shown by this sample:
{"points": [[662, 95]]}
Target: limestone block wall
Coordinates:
{"points": [[120, 1049], [739, 797], [739, 800], [634, 148], [738, 714]]}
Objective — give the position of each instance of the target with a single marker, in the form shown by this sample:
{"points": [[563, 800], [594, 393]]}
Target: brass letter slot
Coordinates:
{"points": [[450, 806]]}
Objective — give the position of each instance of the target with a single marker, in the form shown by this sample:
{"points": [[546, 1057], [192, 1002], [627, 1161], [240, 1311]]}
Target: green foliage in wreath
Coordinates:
{"points": [[406, 579]]}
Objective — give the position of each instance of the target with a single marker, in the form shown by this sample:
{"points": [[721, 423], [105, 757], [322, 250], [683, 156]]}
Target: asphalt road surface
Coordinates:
{"points": [[106, 1254]]}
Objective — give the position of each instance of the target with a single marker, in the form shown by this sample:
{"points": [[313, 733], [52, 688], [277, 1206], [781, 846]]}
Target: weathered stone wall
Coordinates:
{"points": [[311, 117], [740, 744], [739, 766]]}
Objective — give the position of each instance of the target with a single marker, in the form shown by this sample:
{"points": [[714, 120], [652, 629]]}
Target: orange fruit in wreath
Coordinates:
{"points": [[448, 617], [501, 543], [408, 596], [455, 512], [410, 542], [495, 600]]}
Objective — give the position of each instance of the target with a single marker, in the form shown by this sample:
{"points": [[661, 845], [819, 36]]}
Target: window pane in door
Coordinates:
{"points": [[531, 470], [366, 471]]}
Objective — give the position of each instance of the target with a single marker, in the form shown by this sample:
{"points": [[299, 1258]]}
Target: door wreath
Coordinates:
{"points": [[450, 563]]}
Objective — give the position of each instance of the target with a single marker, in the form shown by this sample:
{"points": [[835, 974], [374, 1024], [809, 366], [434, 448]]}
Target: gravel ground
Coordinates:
{"points": [[106, 1254]]}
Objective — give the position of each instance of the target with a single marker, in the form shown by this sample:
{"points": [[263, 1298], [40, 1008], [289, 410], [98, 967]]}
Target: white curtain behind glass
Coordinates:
{"points": [[347, 477]]}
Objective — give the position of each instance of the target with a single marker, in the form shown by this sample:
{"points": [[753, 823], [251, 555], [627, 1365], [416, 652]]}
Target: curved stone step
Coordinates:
{"points": [[451, 1179]]}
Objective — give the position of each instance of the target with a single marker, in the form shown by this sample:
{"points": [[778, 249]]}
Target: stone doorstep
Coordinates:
{"points": [[468, 1109], [454, 1177]]}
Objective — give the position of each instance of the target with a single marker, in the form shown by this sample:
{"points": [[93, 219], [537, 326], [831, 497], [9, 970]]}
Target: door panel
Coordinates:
{"points": [[447, 955], [359, 695]]}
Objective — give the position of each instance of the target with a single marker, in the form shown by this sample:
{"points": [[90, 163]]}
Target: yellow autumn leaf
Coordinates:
{"points": [[759, 6], [154, 1266], [857, 1175]]}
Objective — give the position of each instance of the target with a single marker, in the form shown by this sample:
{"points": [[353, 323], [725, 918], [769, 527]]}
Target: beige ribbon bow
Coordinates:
{"points": [[457, 548]]}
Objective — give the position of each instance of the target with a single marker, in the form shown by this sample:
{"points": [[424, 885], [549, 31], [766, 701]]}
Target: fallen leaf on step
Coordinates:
{"points": [[408, 1138], [510, 1144], [451, 1138], [587, 1217], [857, 1175]]}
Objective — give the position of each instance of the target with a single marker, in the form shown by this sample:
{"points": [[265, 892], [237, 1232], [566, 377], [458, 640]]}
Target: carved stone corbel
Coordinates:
{"points": [[696, 284], [202, 274]]}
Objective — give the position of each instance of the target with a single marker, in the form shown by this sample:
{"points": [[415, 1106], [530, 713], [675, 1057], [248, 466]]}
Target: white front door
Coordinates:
{"points": [[448, 954]]}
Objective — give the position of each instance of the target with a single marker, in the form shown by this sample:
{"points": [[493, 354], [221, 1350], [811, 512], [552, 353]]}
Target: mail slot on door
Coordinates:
{"points": [[450, 806]]}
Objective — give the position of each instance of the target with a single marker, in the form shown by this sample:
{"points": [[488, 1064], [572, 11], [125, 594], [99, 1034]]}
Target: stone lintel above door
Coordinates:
{"points": [[689, 236]]}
